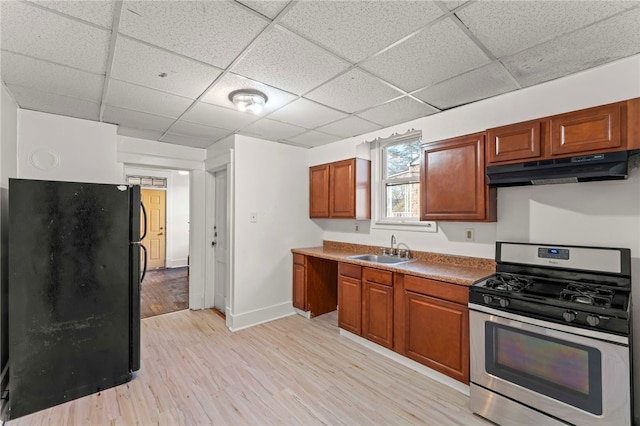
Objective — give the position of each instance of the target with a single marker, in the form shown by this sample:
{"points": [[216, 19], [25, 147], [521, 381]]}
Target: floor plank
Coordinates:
{"points": [[289, 371], [164, 291]]}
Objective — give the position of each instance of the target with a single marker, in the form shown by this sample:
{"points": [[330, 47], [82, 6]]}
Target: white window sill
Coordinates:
{"points": [[414, 226]]}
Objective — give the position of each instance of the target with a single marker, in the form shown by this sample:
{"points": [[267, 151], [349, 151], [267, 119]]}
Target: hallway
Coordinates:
{"points": [[164, 291]]}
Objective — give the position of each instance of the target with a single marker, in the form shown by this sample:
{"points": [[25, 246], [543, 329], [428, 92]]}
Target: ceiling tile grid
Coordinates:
{"points": [[54, 104], [330, 69], [52, 37], [435, 54], [214, 32], [44, 76], [358, 29], [354, 91], [145, 65], [398, 111], [283, 60]]}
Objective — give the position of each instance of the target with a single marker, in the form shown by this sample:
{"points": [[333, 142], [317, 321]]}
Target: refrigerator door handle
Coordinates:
{"points": [[144, 214], [144, 269]]}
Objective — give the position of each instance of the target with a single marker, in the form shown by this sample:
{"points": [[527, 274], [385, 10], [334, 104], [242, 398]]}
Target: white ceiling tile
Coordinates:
{"points": [[214, 32], [433, 55], [45, 35], [271, 130], [39, 75], [198, 130], [398, 111], [269, 8], [126, 95], [219, 94], [350, 126], [286, 61], [453, 4], [224, 118], [489, 80], [99, 12], [589, 47], [151, 135], [54, 104], [507, 27], [136, 119], [305, 113], [186, 140], [354, 91], [313, 138], [358, 29], [142, 64]]}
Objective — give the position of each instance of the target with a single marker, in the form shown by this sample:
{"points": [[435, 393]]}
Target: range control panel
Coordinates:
{"points": [[553, 253]]}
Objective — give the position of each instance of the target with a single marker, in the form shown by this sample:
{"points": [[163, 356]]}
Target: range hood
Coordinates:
{"points": [[583, 168]]}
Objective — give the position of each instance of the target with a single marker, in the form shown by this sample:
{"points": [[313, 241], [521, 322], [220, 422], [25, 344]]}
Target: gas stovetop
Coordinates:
{"points": [[545, 285]]}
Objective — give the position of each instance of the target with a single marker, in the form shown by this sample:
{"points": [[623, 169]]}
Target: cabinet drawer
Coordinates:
{"points": [[441, 290], [378, 276], [349, 270], [298, 259]]}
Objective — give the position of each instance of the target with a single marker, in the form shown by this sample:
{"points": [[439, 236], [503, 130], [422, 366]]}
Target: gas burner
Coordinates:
{"points": [[587, 295], [508, 282]]}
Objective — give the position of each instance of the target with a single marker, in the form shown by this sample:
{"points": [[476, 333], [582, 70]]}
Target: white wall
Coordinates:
{"points": [[54, 147], [177, 213], [592, 214], [8, 169], [270, 181]]}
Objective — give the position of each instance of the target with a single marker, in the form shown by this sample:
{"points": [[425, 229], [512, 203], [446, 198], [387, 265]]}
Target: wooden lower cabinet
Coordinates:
{"points": [[314, 284], [350, 298], [377, 306]]}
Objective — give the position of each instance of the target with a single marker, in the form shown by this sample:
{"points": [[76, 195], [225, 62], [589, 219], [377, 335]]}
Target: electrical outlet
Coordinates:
{"points": [[469, 234], [253, 217]]}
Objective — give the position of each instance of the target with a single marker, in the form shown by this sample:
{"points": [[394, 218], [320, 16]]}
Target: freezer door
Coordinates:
{"points": [[69, 291], [134, 278]]}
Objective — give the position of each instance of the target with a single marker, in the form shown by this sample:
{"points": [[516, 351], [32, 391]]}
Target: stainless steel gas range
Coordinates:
{"points": [[550, 336]]}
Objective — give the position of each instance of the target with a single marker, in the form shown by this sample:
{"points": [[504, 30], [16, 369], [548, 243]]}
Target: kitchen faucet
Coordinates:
{"points": [[393, 241]]}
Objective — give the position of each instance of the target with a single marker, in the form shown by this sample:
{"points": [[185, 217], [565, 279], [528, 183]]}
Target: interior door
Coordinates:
{"points": [[220, 241], [155, 202]]}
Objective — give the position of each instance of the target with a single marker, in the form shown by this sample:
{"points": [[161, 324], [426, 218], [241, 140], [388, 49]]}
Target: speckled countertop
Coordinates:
{"points": [[442, 267]]}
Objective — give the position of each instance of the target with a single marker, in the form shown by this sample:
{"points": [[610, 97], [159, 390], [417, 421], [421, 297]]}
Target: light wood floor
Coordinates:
{"points": [[164, 291], [289, 371]]}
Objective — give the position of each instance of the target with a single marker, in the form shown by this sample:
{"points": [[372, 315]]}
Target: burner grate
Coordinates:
{"points": [[508, 282], [587, 295]]}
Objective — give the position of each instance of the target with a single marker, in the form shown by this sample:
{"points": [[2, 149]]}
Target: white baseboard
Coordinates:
{"points": [[259, 316], [415, 366], [176, 263], [306, 314]]}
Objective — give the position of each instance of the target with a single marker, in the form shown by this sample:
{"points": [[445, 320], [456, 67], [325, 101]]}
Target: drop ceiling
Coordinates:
{"points": [[163, 70]]}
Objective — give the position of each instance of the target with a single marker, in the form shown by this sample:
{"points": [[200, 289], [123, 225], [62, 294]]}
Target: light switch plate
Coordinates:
{"points": [[253, 217]]}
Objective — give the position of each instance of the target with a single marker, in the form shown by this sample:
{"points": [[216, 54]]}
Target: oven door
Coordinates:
{"points": [[578, 379]]}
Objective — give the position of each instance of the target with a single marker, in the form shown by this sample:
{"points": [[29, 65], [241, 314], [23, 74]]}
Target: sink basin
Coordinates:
{"points": [[380, 258]]}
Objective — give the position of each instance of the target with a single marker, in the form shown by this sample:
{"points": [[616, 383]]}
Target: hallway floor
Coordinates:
{"points": [[164, 291]]}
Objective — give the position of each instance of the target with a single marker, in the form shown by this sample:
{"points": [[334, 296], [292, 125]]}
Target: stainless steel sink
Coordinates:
{"points": [[380, 258]]}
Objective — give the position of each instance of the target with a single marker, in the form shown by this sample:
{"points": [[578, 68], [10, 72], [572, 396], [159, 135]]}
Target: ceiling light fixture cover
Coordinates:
{"points": [[249, 100]]}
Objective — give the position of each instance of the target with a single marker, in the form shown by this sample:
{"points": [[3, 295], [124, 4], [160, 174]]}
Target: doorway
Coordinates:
{"points": [[155, 241]]}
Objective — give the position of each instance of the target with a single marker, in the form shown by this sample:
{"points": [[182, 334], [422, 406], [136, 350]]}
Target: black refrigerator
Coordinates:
{"points": [[74, 290]]}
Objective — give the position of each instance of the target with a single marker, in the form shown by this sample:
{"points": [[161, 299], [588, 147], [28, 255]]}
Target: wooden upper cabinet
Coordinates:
{"points": [[453, 181], [319, 191], [340, 190], [588, 130], [520, 141]]}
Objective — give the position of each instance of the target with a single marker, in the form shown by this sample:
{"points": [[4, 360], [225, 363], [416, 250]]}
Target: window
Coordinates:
{"points": [[147, 181], [400, 178]]}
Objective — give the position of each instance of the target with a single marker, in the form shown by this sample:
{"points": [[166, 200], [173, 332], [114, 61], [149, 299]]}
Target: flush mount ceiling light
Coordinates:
{"points": [[248, 100]]}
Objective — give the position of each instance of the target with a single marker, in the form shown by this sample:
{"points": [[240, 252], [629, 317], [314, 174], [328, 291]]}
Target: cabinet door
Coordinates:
{"points": [[437, 334], [350, 304], [299, 287], [452, 181], [319, 191], [377, 307], [342, 189], [588, 130], [520, 141]]}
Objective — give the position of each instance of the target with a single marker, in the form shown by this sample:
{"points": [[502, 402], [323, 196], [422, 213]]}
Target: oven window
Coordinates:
{"points": [[563, 370]]}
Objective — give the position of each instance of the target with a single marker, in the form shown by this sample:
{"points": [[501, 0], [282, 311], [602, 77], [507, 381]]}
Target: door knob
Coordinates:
{"points": [[213, 243], [160, 233]]}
